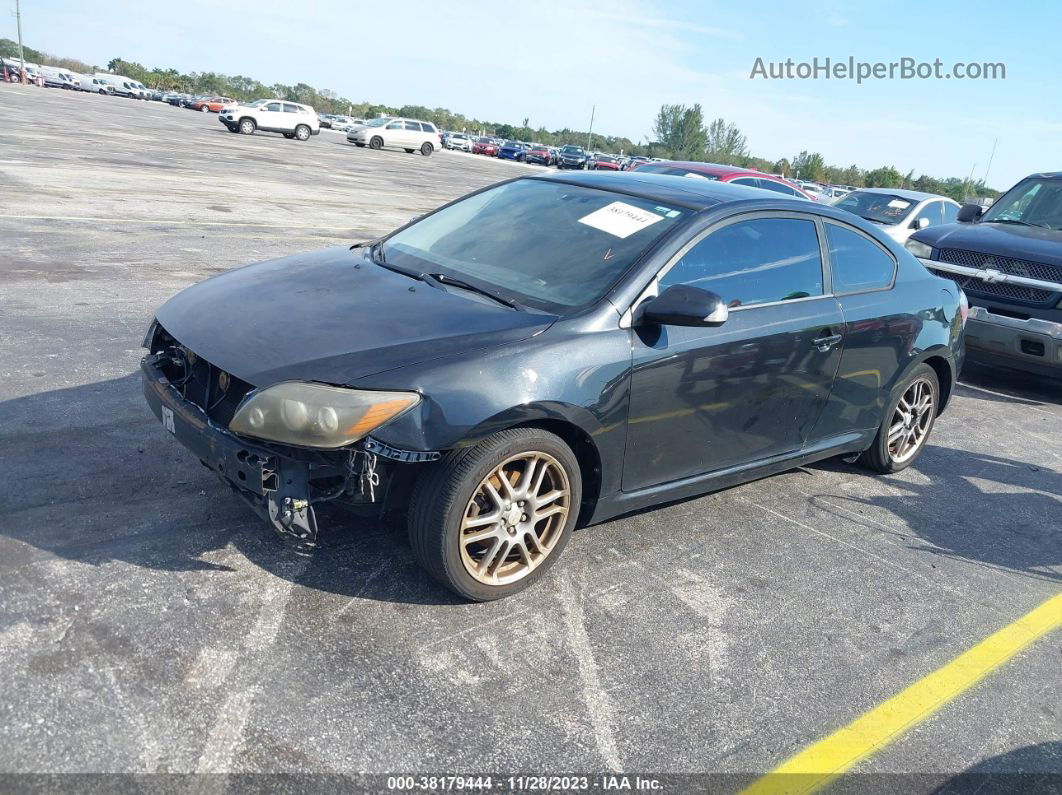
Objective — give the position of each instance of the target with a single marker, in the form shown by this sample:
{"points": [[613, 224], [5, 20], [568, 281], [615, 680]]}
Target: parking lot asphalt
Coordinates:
{"points": [[150, 623]]}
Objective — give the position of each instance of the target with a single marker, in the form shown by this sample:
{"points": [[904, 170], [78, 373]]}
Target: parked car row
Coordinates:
{"points": [[57, 77]]}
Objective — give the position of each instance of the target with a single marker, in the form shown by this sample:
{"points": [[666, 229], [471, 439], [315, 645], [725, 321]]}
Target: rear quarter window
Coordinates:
{"points": [[857, 262]]}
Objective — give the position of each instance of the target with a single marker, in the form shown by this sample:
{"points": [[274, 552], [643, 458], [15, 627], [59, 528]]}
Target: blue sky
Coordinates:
{"points": [[551, 61]]}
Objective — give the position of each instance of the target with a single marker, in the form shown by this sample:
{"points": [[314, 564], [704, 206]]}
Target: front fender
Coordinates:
{"points": [[580, 377]]}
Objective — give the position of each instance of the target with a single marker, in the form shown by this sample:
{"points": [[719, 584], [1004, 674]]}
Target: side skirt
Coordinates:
{"points": [[628, 501]]}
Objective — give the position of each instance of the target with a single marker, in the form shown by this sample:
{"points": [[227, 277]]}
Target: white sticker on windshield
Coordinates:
{"points": [[620, 219], [899, 204]]}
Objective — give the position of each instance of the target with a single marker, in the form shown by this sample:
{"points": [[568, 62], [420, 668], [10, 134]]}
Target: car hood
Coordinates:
{"points": [[317, 317], [1007, 240]]}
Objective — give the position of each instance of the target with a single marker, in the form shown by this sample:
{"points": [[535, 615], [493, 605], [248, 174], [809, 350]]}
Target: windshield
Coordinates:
{"points": [[1037, 202], [542, 243], [881, 208], [571, 150], [378, 122]]}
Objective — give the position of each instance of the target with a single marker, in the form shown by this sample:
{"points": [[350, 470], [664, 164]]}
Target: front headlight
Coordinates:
{"points": [[919, 249], [316, 415]]}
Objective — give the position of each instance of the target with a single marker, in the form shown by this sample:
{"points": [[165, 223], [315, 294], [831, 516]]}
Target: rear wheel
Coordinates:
{"points": [[376, 142], [302, 132], [204, 108], [247, 126], [426, 149], [410, 151], [908, 420], [289, 135], [489, 520], [358, 143]]}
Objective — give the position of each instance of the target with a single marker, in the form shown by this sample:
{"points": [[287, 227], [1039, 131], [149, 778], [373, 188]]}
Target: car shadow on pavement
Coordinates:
{"points": [[1033, 768], [994, 384], [987, 509], [91, 476]]}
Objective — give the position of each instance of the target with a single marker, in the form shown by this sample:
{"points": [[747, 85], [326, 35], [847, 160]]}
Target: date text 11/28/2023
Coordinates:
{"points": [[523, 783]]}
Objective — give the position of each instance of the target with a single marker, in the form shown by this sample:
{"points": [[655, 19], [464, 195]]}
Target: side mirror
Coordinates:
{"points": [[682, 305], [920, 223], [969, 213]]}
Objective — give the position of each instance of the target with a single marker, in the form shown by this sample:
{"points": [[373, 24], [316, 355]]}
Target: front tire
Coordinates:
{"points": [[289, 135], [205, 109], [247, 126], [907, 423], [489, 520], [426, 149], [410, 151], [376, 142]]}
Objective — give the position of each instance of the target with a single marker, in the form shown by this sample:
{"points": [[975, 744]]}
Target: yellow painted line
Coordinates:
{"points": [[818, 765], [167, 221]]}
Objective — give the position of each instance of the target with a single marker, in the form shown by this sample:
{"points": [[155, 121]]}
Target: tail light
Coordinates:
{"points": [[964, 306]]}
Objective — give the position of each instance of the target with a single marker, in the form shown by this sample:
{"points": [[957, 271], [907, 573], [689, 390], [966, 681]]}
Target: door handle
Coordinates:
{"points": [[825, 342]]}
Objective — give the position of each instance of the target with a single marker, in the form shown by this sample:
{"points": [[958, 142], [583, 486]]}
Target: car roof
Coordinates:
{"points": [[712, 168], [914, 195], [696, 194]]}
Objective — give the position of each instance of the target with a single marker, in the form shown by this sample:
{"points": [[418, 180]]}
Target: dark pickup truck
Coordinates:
{"points": [[1008, 260]]}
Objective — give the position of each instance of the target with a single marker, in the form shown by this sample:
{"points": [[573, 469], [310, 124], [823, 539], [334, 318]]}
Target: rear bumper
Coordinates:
{"points": [[1033, 345]]}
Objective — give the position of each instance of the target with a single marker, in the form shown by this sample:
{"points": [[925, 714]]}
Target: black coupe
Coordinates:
{"points": [[555, 351]]}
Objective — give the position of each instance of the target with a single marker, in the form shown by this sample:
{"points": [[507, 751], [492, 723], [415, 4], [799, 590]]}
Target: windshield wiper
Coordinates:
{"points": [[443, 279], [1016, 221]]}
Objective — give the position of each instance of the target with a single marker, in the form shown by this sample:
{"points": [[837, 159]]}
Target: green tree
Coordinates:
{"points": [[725, 144], [679, 130], [884, 177], [809, 166]]}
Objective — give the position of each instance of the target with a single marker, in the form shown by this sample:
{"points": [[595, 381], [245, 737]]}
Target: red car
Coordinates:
{"points": [[484, 146], [734, 174], [606, 163]]}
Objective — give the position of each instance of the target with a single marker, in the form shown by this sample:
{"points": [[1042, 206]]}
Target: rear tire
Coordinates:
{"points": [[356, 143], [906, 424], [302, 132], [205, 109], [426, 149], [410, 151], [519, 546], [289, 135], [376, 142], [247, 126]]}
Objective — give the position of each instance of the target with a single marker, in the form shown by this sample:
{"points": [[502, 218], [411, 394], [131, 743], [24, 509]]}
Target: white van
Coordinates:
{"points": [[54, 77], [123, 86], [92, 84]]}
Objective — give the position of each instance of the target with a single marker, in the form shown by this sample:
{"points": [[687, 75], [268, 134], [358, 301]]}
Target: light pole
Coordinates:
{"points": [[21, 60], [590, 134]]}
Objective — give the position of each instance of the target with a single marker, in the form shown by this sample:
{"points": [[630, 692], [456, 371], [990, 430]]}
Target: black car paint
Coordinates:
{"points": [[336, 317], [1012, 241]]}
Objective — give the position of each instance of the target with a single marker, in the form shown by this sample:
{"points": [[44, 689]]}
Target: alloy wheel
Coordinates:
{"points": [[515, 517], [911, 420]]}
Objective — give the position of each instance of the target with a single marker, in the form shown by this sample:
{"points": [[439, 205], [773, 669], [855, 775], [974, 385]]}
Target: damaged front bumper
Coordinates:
{"points": [[281, 484]]}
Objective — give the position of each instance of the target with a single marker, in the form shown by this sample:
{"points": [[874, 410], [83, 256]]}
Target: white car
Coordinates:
{"points": [[458, 141], [901, 212], [273, 115], [412, 135]]}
